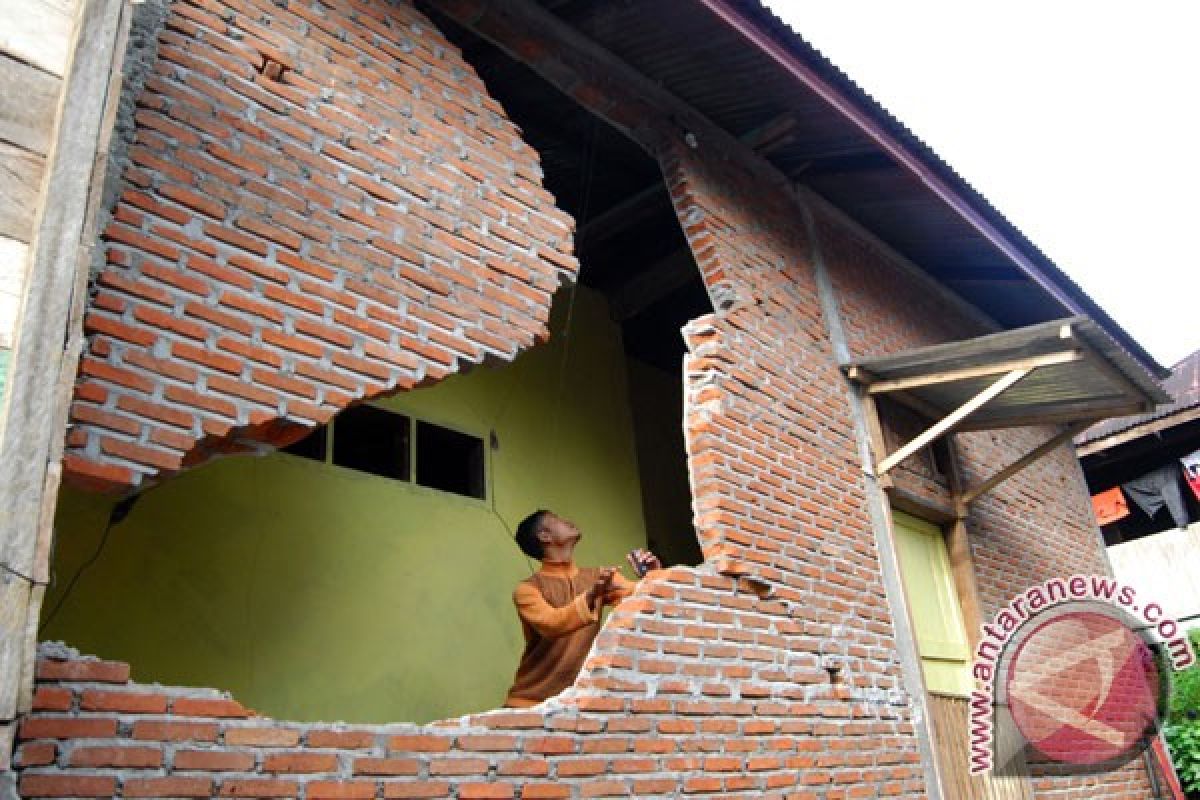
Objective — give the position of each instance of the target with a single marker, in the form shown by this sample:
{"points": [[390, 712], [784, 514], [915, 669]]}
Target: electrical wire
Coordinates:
{"points": [[586, 185], [119, 512]]}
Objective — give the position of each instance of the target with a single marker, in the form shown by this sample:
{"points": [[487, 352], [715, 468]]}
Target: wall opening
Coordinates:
{"points": [[364, 573]]}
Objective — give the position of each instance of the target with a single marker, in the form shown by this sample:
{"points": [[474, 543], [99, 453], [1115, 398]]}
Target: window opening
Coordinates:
{"points": [[314, 446], [449, 460], [380, 442]]}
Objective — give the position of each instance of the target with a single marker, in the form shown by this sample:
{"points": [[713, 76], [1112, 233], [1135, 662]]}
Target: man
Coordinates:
{"points": [[560, 605]]}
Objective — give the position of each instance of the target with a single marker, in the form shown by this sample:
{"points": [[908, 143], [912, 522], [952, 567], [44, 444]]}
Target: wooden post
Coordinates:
{"points": [[952, 419], [47, 345]]}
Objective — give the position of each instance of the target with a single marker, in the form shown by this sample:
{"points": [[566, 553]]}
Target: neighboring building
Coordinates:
{"points": [[368, 282], [1161, 550]]}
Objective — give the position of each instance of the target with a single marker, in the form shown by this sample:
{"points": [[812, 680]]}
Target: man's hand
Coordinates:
{"points": [[643, 561], [600, 589]]}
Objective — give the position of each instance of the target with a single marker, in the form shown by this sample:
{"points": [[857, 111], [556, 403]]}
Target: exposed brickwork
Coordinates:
{"points": [[695, 688], [322, 204], [1036, 525], [259, 278]]}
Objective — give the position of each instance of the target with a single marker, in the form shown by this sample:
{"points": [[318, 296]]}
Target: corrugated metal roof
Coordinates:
{"points": [[1083, 375], [693, 50], [1183, 386]]}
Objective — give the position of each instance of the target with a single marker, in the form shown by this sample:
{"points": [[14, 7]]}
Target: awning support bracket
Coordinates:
{"points": [[970, 495], [952, 419]]}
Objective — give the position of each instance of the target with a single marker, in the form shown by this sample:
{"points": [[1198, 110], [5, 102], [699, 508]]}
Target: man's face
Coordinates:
{"points": [[557, 531]]}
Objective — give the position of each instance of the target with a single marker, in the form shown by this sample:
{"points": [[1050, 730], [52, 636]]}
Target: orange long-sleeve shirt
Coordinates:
{"points": [[559, 629]]}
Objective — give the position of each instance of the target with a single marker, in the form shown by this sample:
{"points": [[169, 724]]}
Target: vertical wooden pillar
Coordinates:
{"points": [[46, 350]]}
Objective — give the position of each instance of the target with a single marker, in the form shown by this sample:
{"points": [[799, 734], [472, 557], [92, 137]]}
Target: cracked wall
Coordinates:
{"points": [[319, 203]]}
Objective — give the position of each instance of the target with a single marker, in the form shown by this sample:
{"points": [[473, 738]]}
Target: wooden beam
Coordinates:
{"points": [[29, 122], [875, 435], [637, 106], [1024, 461], [617, 218], [969, 373], [20, 185], [950, 420], [1137, 432], [49, 336], [653, 284], [772, 134]]}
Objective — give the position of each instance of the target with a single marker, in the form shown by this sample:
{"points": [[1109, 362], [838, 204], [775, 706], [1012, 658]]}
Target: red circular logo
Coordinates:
{"points": [[1083, 688]]}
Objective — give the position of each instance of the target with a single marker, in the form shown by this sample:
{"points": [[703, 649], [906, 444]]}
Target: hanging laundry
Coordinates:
{"points": [[1156, 489], [1191, 471], [1109, 506]]}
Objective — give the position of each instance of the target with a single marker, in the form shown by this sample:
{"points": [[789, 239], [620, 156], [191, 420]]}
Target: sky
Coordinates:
{"points": [[1079, 121]]}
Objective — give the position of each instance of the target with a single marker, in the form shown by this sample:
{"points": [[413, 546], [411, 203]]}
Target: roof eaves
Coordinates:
{"points": [[841, 91]]}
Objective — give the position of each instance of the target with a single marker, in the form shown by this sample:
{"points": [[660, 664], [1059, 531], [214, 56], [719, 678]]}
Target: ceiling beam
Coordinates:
{"points": [[652, 284]]}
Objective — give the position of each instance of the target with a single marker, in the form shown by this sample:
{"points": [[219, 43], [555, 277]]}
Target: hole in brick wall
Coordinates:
{"points": [[365, 573]]}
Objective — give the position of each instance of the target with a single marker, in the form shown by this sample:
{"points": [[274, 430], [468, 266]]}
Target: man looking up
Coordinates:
{"points": [[559, 606]]}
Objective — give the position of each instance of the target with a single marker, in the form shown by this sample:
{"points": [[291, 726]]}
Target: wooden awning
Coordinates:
{"points": [[1065, 372]]}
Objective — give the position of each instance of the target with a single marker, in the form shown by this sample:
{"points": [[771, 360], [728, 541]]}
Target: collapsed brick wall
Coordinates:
{"points": [[694, 688], [321, 204]]}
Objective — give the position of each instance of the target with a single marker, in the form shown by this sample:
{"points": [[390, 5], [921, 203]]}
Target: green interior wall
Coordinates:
{"points": [[313, 592]]}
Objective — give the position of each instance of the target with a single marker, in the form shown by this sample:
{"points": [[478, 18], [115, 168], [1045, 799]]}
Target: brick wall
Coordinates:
{"points": [[694, 688], [1036, 525], [257, 278], [320, 204]]}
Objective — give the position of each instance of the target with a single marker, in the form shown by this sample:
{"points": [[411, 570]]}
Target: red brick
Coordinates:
{"points": [[343, 740], [67, 728], [254, 787], [214, 760], [51, 698], [127, 702], [193, 200], [68, 785], [172, 731], [339, 790], [135, 757], [36, 754], [167, 787], [300, 762], [262, 737], [544, 791], [419, 743], [416, 789], [387, 766], [486, 791], [487, 743]]}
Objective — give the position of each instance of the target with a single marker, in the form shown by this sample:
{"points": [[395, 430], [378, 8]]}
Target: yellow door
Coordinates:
{"points": [[933, 601]]}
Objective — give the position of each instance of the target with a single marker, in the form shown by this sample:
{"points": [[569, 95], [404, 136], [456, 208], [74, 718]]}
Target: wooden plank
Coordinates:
{"points": [[950, 420], [20, 180], [31, 97], [1034, 340], [38, 32], [1024, 461], [34, 409], [953, 752], [653, 284], [13, 255], [969, 373]]}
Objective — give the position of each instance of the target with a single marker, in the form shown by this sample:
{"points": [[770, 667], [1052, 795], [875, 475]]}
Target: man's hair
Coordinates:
{"points": [[527, 534]]}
